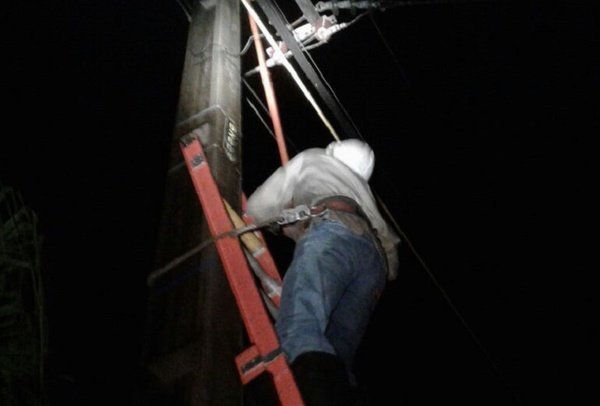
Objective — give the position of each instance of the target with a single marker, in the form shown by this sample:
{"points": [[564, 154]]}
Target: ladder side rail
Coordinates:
{"points": [[265, 353], [263, 256]]}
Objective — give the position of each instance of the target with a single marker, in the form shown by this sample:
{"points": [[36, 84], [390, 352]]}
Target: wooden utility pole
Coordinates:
{"points": [[193, 328]]}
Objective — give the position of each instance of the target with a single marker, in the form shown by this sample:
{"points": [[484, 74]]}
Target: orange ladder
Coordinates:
{"points": [[264, 354]]}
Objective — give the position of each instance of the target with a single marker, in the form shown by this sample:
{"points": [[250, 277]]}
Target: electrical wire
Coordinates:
{"points": [[412, 249], [266, 111], [290, 69], [187, 9]]}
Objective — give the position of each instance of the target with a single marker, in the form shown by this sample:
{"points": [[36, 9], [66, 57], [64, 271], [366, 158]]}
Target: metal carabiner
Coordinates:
{"points": [[288, 216]]}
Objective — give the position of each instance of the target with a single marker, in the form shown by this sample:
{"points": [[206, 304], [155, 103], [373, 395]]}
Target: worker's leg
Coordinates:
{"points": [[333, 267], [328, 263], [349, 319], [322, 380]]}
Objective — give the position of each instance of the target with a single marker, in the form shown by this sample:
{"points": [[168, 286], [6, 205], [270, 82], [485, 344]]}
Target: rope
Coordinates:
{"points": [[235, 233]]}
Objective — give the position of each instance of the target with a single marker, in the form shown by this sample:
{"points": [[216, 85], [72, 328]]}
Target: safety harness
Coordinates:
{"points": [[288, 216]]}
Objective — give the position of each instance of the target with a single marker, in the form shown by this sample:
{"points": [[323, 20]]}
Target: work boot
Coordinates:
{"points": [[322, 379]]}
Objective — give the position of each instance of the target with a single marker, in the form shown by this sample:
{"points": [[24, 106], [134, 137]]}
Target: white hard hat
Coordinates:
{"points": [[356, 154]]}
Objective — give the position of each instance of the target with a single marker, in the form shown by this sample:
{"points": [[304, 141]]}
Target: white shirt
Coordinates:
{"points": [[311, 176]]}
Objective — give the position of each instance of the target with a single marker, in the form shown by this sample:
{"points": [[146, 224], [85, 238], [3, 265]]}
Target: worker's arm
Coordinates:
{"points": [[274, 195]]}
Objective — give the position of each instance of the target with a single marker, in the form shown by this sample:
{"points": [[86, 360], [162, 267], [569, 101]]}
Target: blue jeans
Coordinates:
{"points": [[329, 292]]}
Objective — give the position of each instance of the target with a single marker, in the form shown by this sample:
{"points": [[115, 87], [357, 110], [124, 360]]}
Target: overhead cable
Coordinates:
{"points": [[289, 67]]}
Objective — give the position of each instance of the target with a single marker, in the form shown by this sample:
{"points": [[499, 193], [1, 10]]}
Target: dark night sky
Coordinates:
{"points": [[483, 117]]}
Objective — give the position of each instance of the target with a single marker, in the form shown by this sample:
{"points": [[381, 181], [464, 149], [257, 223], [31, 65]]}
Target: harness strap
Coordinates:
{"points": [[340, 203], [303, 212]]}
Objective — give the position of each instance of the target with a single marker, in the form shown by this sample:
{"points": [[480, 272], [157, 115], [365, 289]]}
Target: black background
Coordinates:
{"points": [[483, 117]]}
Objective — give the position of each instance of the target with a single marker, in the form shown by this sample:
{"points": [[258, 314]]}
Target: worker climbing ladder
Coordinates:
{"points": [[264, 353]]}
